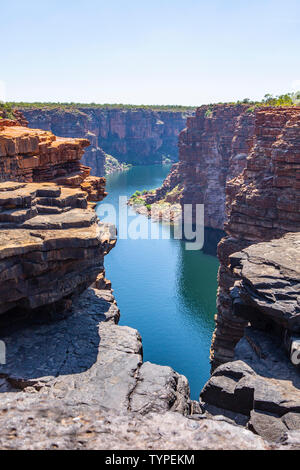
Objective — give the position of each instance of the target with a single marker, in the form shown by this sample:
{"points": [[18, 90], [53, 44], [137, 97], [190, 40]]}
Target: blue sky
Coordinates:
{"points": [[148, 51]]}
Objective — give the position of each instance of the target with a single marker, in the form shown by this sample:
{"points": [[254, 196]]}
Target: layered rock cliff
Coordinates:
{"points": [[258, 319], [64, 354], [33, 155], [136, 136], [61, 337], [51, 245], [212, 150], [262, 203], [73, 378]]}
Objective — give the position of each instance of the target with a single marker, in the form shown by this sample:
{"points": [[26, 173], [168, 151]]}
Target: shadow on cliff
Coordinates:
{"points": [[39, 348]]}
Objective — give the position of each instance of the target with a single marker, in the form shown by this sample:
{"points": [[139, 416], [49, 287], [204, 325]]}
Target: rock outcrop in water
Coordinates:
{"points": [[136, 136], [61, 336]]}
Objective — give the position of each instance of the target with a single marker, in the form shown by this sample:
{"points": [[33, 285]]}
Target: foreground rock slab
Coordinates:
{"points": [[54, 425], [80, 383], [87, 359]]}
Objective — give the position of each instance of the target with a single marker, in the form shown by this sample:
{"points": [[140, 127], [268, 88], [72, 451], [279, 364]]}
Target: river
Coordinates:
{"points": [[164, 291]]}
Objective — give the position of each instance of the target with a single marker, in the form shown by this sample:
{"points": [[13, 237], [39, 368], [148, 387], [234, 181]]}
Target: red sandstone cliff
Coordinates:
{"points": [[256, 345], [263, 203], [34, 155], [212, 150], [52, 246], [138, 136]]}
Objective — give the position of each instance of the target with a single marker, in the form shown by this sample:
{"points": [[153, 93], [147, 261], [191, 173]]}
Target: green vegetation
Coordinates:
{"points": [[288, 99], [6, 110], [209, 113], [137, 199]]}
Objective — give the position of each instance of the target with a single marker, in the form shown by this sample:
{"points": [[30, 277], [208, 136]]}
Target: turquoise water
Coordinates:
{"points": [[167, 293]]}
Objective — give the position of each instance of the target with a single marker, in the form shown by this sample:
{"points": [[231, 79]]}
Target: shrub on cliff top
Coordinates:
{"points": [[287, 99], [209, 113]]}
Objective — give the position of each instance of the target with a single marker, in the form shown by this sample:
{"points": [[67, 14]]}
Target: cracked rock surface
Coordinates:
{"points": [[58, 426], [270, 280]]}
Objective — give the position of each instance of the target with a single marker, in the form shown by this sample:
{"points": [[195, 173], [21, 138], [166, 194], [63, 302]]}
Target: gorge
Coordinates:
{"points": [[84, 371], [249, 156]]}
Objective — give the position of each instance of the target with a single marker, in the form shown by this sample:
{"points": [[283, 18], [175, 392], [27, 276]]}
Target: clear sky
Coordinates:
{"points": [[186, 52]]}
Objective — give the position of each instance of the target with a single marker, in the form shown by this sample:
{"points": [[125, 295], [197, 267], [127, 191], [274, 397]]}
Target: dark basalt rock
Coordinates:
{"points": [[87, 359], [270, 281], [264, 387]]}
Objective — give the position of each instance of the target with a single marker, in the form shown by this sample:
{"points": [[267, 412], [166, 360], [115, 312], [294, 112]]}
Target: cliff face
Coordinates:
{"points": [[51, 246], [137, 136], [260, 386], [51, 243], [33, 155], [60, 336], [262, 203], [258, 319], [213, 149]]}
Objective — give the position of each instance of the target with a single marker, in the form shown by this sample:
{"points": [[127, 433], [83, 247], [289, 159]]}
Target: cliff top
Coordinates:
{"points": [[287, 99], [16, 139], [106, 106]]}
